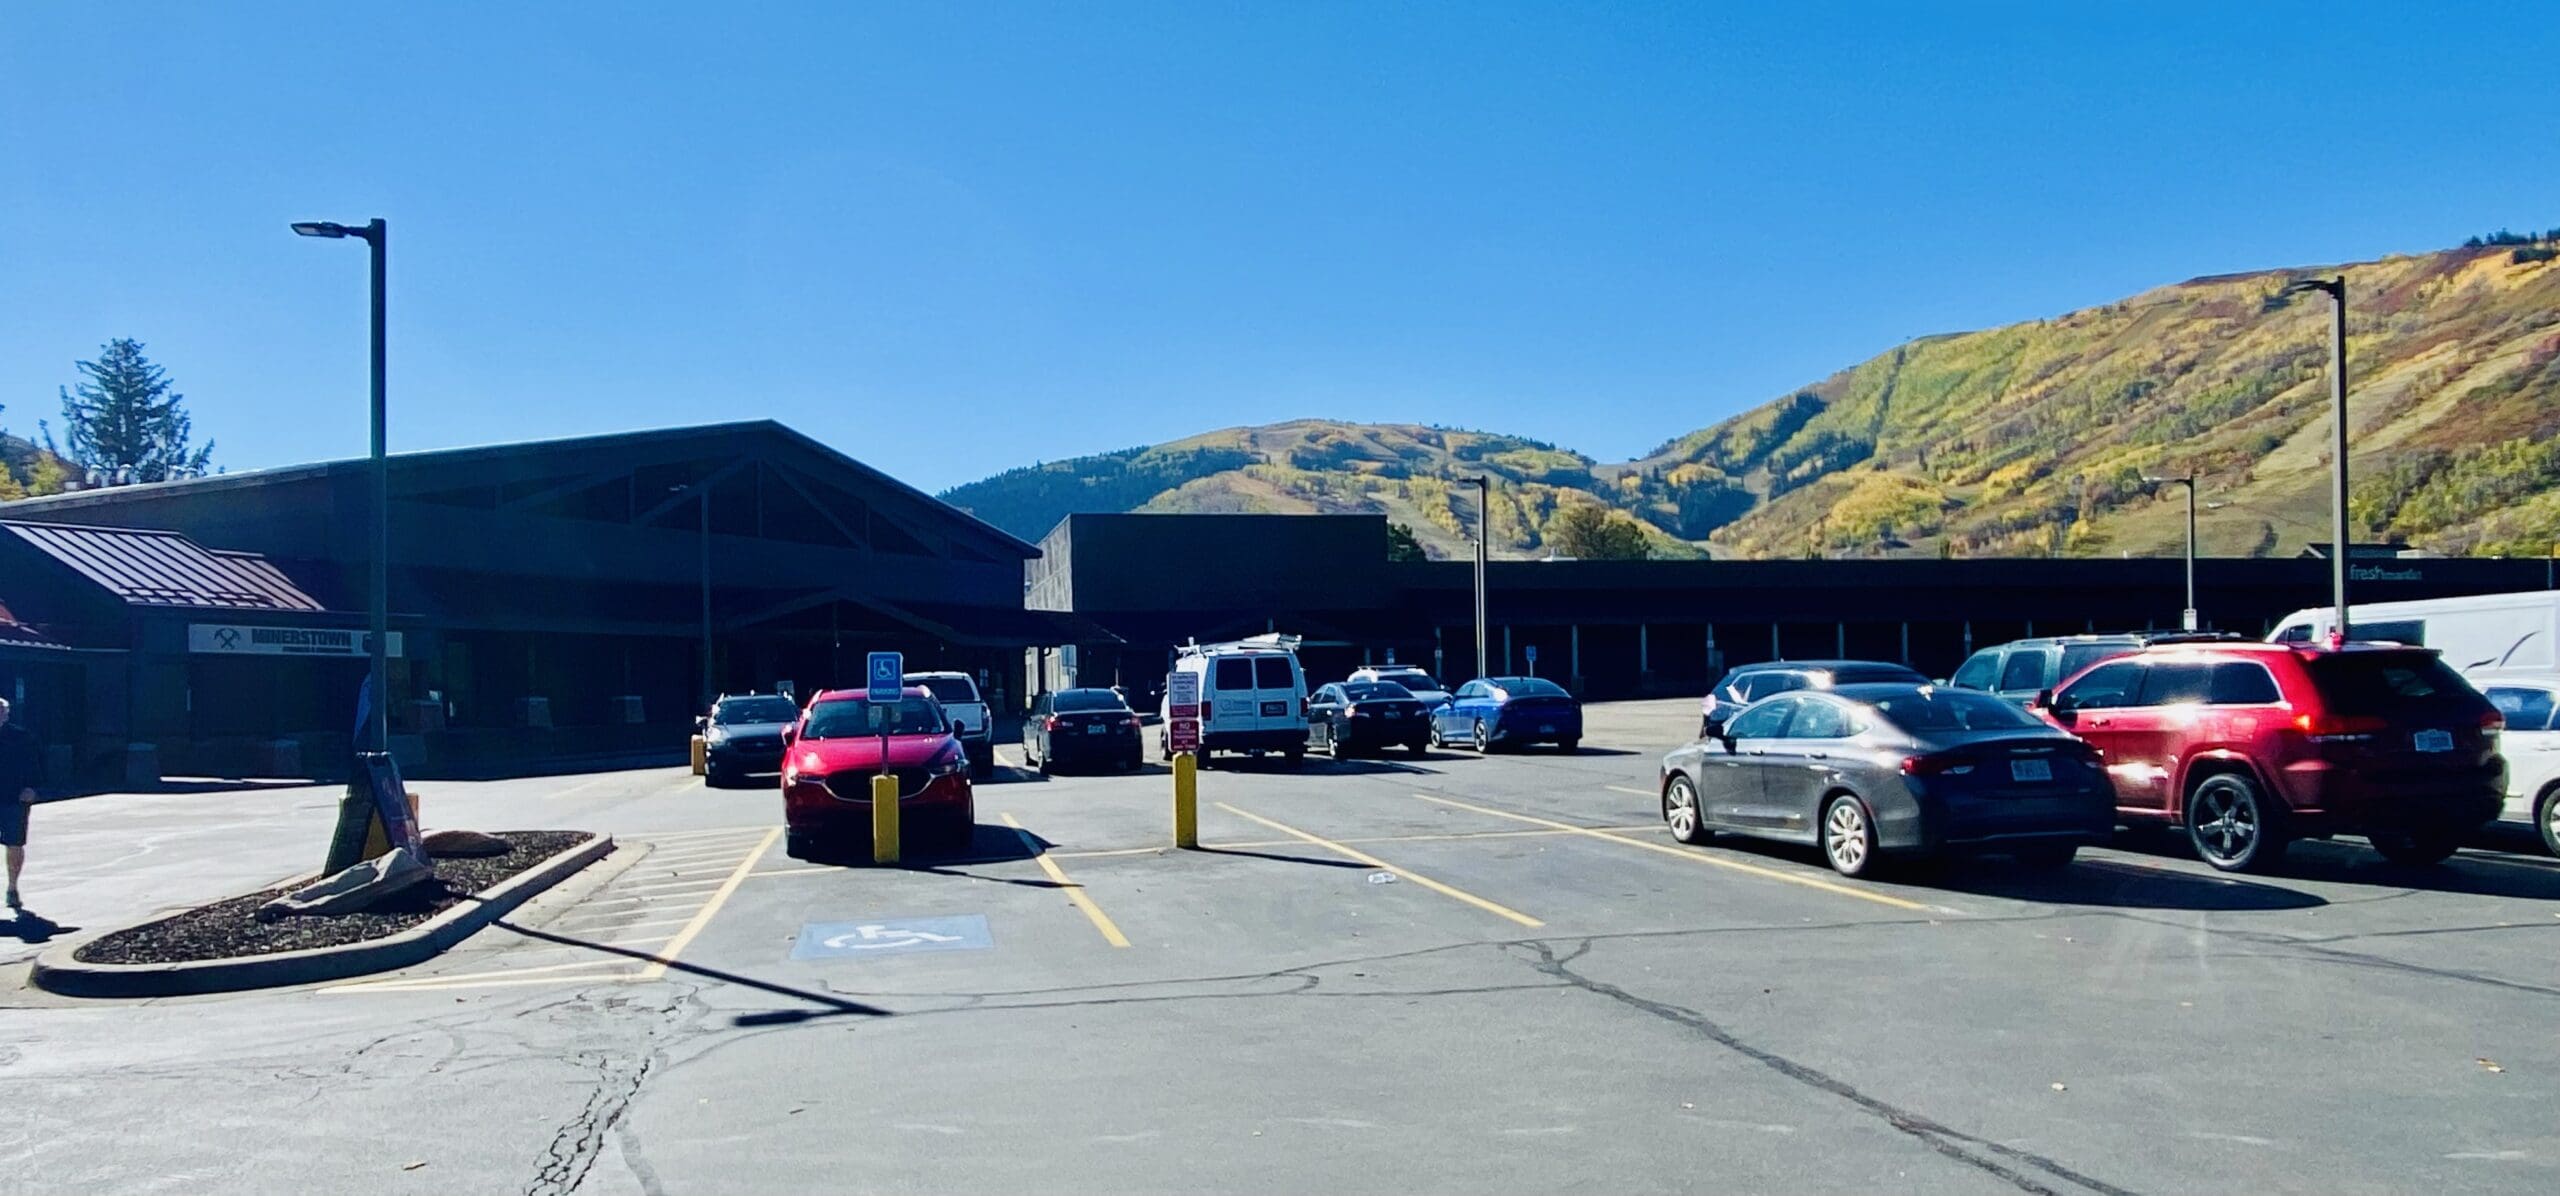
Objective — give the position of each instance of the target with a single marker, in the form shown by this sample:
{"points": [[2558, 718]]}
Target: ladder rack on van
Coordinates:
{"points": [[1266, 642]]}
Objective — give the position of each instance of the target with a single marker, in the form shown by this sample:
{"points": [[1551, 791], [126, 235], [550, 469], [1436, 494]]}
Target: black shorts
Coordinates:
{"points": [[13, 821]]}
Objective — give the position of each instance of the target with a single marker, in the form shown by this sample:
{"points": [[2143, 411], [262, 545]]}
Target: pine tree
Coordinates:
{"points": [[124, 415]]}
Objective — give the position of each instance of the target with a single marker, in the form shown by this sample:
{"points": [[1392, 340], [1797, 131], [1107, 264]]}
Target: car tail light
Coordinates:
{"points": [[2334, 728], [1131, 721], [1351, 710], [1938, 765], [1050, 723], [2493, 722]]}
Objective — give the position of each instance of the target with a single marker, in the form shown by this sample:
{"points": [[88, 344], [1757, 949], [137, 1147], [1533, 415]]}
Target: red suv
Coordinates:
{"points": [[831, 755], [2250, 746]]}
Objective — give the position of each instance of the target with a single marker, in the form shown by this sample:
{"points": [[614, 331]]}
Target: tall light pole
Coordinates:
{"points": [[1484, 528], [2189, 482], [2336, 289], [376, 235]]}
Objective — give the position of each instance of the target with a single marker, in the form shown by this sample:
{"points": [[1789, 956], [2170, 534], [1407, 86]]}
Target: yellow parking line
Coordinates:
{"points": [[1699, 857], [701, 918], [1075, 892], [742, 832], [1353, 853]]}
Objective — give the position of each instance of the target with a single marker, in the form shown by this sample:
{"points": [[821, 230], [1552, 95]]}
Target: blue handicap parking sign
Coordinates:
{"points": [[892, 936], [887, 669]]}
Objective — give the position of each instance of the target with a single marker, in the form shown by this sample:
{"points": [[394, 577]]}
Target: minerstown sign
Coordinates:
{"points": [[234, 639]]}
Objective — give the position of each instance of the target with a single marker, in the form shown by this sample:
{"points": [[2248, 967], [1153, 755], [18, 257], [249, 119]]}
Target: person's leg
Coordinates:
{"points": [[17, 860]]}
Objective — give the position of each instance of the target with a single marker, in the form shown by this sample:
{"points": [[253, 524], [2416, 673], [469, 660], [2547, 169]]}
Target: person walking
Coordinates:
{"points": [[21, 766]]}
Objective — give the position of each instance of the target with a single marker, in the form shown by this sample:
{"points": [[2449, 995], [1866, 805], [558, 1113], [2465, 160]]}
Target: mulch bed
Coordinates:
{"points": [[230, 928]]}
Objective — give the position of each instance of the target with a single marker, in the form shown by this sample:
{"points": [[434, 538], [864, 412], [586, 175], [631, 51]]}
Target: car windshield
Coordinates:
{"points": [[2383, 683], [1531, 687], [1364, 691], [1412, 679], [1073, 700], [948, 689], [734, 711], [1934, 709], [2076, 657], [846, 718]]}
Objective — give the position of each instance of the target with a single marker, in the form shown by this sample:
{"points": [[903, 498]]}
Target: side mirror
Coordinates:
{"points": [[1731, 746], [790, 735], [957, 727], [2042, 701], [701, 723]]}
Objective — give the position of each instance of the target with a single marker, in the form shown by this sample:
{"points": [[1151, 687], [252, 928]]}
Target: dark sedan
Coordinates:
{"points": [[1349, 717], [1508, 712], [1867, 771], [743, 735], [1080, 726]]}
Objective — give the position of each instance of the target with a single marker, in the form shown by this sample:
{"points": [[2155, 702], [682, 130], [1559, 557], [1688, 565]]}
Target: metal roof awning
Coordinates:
{"points": [[165, 569]]}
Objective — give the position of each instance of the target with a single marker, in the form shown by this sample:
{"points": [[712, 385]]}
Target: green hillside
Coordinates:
{"points": [[2030, 439], [1404, 471]]}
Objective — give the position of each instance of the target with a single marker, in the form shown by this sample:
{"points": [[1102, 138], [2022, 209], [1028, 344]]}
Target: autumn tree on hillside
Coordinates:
{"points": [[1587, 531]]}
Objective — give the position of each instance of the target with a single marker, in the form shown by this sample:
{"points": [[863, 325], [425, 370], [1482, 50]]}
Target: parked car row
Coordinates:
{"points": [[2244, 747], [1254, 701]]}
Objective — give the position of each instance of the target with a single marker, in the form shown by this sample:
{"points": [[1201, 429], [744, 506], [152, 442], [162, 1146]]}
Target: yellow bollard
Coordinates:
{"points": [[1186, 800], [884, 819], [701, 756]]}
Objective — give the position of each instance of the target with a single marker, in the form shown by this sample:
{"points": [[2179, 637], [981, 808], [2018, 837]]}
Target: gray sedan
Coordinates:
{"points": [[1865, 771]]}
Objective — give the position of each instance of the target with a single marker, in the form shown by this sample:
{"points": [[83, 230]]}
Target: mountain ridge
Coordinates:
{"points": [[2031, 438]]}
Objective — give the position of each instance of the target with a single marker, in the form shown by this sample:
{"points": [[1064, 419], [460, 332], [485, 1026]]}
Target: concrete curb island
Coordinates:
{"points": [[57, 972]]}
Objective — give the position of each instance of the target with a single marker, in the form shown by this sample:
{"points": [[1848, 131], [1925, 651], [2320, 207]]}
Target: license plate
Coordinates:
{"points": [[1546, 730], [2030, 770], [1275, 710], [2433, 741], [1392, 714], [1097, 730]]}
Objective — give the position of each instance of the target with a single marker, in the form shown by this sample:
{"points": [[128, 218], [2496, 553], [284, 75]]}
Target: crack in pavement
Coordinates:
{"points": [[574, 1147], [1954, 1144]]}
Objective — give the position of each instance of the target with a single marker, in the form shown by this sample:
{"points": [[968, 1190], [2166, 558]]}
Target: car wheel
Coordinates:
{"points": [[1483, 745], [1042, 764], [800, 845], [1848, 836], [1420, 750], [2546, 818], [2047, 858], [1568, 746], [1680, 810], [1433, 738], [2232, 826], [1295, 756], [2417, 849], [949, 835]]}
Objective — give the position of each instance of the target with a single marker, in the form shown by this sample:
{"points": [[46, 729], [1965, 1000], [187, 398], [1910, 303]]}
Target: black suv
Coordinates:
{"points": [[1749, 683], [2020, 669]]}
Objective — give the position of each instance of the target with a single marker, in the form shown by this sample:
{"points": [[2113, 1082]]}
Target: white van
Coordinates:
{"points": [[2488, 633], [1253, 697]]}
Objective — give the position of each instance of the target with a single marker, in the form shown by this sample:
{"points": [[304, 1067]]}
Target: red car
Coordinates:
{"points": [[833, 752], [2250, 746]]}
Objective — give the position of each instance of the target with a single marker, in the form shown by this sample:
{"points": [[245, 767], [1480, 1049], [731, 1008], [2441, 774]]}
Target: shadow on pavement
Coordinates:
{"points": [[31, 927], [1285, 859], [2099, 882], [2350, 860], [828, 1004]]}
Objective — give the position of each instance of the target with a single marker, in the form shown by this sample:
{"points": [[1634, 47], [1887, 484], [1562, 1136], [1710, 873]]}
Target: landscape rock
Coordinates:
{"points": [[353, 889]]}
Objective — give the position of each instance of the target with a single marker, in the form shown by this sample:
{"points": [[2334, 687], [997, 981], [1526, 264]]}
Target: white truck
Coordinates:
{"points": [[1253, 697], [958, 693]]}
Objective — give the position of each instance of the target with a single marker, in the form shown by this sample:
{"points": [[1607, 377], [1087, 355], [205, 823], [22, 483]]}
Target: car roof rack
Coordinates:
{"points": [[1269, 642]]}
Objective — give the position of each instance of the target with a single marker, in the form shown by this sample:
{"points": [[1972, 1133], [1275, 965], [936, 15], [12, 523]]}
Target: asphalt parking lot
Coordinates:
{"points": [[1447, 974]]}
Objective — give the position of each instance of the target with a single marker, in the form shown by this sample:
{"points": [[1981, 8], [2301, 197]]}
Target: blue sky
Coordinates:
{"points": [[950, 239]]}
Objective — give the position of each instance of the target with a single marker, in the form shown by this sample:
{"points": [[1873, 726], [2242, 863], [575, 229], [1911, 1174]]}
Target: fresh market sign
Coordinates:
{"points": [[234, 639]]}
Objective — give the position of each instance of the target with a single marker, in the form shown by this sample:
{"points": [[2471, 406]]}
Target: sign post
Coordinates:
{"points": [[1532, 651], [1182, 738], [887, 688]]}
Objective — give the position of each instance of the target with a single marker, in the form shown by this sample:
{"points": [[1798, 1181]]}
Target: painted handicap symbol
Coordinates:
{"points": [[879, 937], [872, 935]]}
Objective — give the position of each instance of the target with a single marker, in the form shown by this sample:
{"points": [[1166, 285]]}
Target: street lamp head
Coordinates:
{"points": [[321, 228], [2335, 288]]}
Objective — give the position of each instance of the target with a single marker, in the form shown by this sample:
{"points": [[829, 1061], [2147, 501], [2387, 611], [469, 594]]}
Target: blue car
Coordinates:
{"points": [[1508, 712]]}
